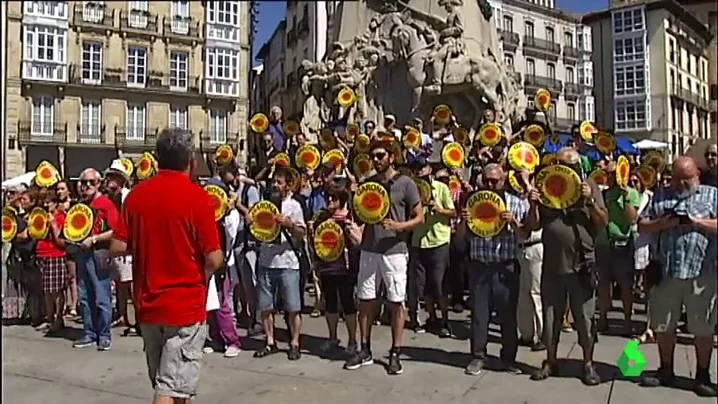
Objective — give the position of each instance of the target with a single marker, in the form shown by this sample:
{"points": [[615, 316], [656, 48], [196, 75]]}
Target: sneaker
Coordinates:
{"points": [[510, 367], [104, 345], [702, 385], [538, 347], [445, 331], [590, 376], [547, 370], [474, 367], [417, 327], [83, 342], [662, 377], [329, 345], [351, 349], [361, 358], [394, 367], [232, 352], [208, 350], [44, 326], [294, 353]]}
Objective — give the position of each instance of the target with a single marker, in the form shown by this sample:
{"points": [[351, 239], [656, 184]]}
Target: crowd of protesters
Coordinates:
{"points": [[548, 271]]}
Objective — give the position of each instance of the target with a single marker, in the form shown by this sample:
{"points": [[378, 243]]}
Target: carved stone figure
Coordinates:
{"points": [[421, 50]]}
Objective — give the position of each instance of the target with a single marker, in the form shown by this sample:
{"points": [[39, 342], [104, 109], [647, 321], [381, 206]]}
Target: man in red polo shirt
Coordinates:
{"points": [[167, 224]]}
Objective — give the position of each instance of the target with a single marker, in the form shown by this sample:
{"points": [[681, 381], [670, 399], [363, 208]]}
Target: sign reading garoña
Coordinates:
{"points": [[329, 241], [264, 226], [371, 202], [485, 209], [559, 186], [78, 224]]}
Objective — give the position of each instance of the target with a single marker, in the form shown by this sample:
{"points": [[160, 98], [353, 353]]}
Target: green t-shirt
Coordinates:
{"points": [[436, 229], [586, 165], [619, 228]]}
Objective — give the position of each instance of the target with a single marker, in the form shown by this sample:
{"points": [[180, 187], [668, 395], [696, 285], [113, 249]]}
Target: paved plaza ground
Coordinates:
{"points": [[38, 369]]}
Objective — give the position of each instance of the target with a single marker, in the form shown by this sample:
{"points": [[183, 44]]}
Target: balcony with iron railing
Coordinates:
{"points": [[50, 133], [690, 97], [510, 39], [141, 138], [533, 83], [93, 16], [541, 48], [572, 90], [155, 82], [181, 28], [571, 54], [90, 135], [138, 22], [211, 140]]}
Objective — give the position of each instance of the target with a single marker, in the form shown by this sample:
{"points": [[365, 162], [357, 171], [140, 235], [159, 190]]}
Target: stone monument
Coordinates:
{"points": [[404, 57]]}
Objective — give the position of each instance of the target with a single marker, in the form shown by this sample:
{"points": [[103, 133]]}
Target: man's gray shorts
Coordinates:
{"points": [[174, 357]]}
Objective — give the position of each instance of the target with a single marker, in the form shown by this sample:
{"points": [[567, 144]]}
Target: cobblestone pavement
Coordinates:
{"points": [[38, 369]]}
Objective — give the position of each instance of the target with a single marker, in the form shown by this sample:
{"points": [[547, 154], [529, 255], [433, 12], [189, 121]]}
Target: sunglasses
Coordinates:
{"points": [[378, 156], [492, 180], [711, 154], [89, 182]]}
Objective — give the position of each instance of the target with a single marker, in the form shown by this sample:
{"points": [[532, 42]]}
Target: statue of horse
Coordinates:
{"points": [[480, 74]]}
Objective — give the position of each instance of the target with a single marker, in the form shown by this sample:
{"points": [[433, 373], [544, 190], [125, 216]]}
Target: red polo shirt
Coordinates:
{"points": [[168, 224]]}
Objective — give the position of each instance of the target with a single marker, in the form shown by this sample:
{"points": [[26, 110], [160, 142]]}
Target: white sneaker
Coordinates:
{"points": [[232, 352], [329, 345], [208, 349]]}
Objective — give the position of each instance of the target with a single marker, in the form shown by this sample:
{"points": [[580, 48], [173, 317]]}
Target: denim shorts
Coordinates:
{"points": [[275, 285]]}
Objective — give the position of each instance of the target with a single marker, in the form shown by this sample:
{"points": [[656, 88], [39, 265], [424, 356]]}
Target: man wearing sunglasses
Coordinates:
{"points": [[385, 254], [92, 263]]}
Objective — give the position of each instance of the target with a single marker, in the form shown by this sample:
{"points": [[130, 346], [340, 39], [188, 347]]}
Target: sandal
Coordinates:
{"points": [[266, 351]]}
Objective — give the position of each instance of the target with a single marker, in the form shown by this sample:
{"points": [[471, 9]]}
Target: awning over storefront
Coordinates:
{"points": [[37, 154], [80, 158]]}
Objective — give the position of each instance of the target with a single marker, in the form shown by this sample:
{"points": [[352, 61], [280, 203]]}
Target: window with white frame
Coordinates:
{"points": [[139, 12], [570, 75], [571, 111], [551, 70], [630, 80], [91, 63], [91, 119], [628, 20], [93, 11], [509, 59], [568, 39], [218, 126], [530, 67], [136, 118], [178, 117], [550, 35], [529, 29], [222, 71], [508, 23], [223, 12], [180, 17], [628, 49], [48, 9], [631, 114], [178, 70], [43, 116], [45, 53], [136, 66]]}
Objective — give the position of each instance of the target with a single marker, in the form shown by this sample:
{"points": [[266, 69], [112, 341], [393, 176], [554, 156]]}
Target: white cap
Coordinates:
{"points": [[390, 117], [119, 168]]}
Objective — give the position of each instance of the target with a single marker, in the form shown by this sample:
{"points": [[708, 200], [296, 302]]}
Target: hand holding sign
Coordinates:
{"points": [[586, 190]]}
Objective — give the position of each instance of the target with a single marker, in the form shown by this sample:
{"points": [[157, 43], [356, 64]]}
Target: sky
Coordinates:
{"points": [[272, 12]]}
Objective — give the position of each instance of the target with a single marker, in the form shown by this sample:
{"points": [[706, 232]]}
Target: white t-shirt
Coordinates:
{"points": [[231, 226], [281, 255]]}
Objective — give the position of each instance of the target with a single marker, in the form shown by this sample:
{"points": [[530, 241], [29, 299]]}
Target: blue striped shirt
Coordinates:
{"points": [[504, 245], [686, 250]]}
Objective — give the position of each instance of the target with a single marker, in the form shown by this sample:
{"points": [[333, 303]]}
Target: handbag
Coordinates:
{"points": [[588, 275]]}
